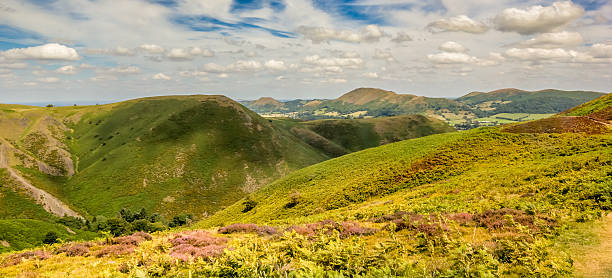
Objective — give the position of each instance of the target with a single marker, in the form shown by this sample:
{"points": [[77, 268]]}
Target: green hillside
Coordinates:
{"points": [[478, 203], [339, 137], [169, 155], [520, 101]]}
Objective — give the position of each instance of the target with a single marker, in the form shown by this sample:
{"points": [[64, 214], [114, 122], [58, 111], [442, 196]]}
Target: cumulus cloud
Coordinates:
{"points": [[152, 48], [275, 65], [336, 80], [333, 62], [461, 23], [179, 54], [553, 40], [537, 19], [451, 46], [401, 37], [70, 69], [600, 50], [370, 33], [117, 51], [383, 55], [371, 75], [161, 76], [452, 58], [50, 51], [120, 70], [184, 54]]}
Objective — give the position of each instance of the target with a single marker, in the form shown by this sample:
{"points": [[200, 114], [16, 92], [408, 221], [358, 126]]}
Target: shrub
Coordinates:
{"points": [[197, 244], [345, 229], [71, 222], [16, 259], [115, 250], [50, 238], [294, 199], [133, 239], [75, 249], [248, 228], [197, 238], [181, 219], [249, 205]]}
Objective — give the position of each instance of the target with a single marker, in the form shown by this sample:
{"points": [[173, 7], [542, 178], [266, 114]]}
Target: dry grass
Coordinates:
{"points": [[596, 260]]}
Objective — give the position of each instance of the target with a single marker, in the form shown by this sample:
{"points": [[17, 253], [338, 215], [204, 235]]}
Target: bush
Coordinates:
{"points": [[248, 228], [72, 222], [117, 226], [294, 199], [50, 238], [249, 205], [197, 244], [181, 219], [75, 249], [16, 259]]}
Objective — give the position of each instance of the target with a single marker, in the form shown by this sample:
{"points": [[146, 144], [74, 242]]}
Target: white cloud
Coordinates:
{"points": [[451, 46], [600, 50], [161, 76], [401, 37], [152, 48], [370, 33], [117, 51], [452, 58], [553, 40], [336, 80], [538, 19], [333, 62], [383, 55], [538, 54], [179, 54], [275, 65], [242, 66], [48, 79], [120, 70], [50, 51], [185, 54], [70, 69], [371, 75], [461, 23]]}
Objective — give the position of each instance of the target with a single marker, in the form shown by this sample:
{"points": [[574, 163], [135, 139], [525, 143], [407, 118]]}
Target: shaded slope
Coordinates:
{"points": [[358, 134]]}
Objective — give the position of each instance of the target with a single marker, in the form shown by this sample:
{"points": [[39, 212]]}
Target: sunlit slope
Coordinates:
{"points": [[455, 172], [177, 154]]}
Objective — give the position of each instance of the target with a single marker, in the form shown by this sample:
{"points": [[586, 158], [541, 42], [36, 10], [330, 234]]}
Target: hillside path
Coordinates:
{"points": [[596, 261], [48, 201]]}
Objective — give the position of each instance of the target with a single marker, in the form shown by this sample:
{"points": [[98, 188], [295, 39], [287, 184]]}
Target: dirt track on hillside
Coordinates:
{"points": [[48, 201], [596, 261]]}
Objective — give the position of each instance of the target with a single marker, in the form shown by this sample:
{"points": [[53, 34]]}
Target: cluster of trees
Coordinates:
{"points": [[126, 222]]}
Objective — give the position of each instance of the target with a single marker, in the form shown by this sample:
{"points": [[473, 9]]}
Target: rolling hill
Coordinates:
{"points": [[499, 106], [170, 155], [478, 203], [519, 101]]}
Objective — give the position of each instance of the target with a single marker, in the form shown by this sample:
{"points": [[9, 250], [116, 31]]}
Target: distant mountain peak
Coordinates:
{"points": [[262, 101], [362, 96]]}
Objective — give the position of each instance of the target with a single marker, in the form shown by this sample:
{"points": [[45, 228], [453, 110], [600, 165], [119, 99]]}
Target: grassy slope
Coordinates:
{"points": [[196, 153], [339, 137], [193, 154], [24, 223], [544, 101]]}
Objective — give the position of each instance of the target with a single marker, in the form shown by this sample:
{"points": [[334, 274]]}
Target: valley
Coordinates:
{"points": [[469, 111], [491, 201]]}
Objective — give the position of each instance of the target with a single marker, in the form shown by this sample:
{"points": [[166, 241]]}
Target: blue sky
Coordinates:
{"points": [[74, 50]]}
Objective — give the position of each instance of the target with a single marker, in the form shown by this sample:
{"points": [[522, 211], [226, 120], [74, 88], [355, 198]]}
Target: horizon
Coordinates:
{"points": [[298, 49]]}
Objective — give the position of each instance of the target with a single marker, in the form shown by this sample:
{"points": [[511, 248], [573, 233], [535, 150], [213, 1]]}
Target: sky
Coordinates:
{"points": [[107, 50]]}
